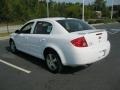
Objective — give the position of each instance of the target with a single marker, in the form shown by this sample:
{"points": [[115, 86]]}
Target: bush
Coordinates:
{"points": [[118, 19], [91, 21], [105, 20], [94, 21]]}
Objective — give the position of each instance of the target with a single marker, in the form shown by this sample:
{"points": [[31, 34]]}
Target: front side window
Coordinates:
{"points": [[27, 28], [43, 28], [72, 25]]}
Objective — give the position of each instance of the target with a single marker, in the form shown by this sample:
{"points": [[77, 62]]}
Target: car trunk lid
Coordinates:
{"points": [[93, 36]]}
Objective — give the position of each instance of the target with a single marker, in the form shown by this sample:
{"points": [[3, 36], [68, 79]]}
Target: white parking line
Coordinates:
{"points": [[16, 67], [114, 31]]}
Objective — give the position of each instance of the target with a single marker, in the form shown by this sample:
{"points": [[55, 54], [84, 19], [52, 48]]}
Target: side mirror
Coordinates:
{"points": [[17, 31]]}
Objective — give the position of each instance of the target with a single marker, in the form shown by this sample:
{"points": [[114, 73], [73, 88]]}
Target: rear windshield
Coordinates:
{"points": [[73, 25]]}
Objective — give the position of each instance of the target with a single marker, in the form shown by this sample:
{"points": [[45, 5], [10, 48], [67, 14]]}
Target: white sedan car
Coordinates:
{"points": [[61, 42]]}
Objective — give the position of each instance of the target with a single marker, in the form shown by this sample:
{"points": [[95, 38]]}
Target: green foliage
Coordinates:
{"points": [[23, 10], [104, 20], [100, 5], [73, 10]]}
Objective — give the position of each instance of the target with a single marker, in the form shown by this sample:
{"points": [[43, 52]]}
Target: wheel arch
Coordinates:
{"points": [[11, 39], [58, 51]]}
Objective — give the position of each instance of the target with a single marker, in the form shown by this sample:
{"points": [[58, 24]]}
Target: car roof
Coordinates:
{"points": [[51, 19]]}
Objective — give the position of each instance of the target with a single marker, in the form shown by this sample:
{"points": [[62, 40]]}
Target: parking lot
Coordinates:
{"points": [[24, 72]]}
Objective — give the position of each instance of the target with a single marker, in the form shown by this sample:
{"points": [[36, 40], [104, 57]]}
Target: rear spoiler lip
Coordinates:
{"points": [[89, 31]]}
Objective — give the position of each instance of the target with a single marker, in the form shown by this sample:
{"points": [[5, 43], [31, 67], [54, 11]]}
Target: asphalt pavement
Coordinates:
{"points": [[102, 75]]}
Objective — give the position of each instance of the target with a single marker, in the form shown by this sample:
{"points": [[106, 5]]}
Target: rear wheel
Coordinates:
{"points": [[13, 46], [53, 62]]}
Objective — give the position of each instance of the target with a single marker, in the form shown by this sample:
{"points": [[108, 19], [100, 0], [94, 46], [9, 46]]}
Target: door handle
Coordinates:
{"points": [[26, 37], [41, 40]]}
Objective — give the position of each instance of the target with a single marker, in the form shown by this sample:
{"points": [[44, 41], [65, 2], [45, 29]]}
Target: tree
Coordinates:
{"points": [[4, 10], [73, 10], [99, 5]]}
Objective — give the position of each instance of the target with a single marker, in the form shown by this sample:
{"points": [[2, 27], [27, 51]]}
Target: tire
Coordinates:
{"points": [[13, 47], [53, 62]]}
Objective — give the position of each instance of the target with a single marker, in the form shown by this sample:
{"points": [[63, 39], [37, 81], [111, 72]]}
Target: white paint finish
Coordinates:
{"points": [[14, 66], [60, 40]]}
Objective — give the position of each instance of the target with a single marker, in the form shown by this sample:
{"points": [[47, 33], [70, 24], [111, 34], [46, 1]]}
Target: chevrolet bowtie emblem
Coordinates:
{"points": [[99, 37]]}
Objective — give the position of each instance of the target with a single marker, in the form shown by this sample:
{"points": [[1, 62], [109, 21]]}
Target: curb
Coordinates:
{"points": [[4, 38]]}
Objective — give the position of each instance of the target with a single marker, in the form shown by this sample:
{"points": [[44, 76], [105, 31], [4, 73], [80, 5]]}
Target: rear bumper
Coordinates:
{"points": [[87, 55]]}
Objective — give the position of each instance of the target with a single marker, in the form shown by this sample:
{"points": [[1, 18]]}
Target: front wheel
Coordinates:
{"points": [[53, 62], [13, 47]]}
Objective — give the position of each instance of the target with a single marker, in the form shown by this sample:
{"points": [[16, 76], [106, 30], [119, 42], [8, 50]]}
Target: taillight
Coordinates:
{"points": [[79, 42]]}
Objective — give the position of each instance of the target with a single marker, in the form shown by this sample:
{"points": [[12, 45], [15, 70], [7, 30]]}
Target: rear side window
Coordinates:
{"points": [[43, 28], [72, 25]]}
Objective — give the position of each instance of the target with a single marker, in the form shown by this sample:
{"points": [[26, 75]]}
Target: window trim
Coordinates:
{"points": [[82, 23], [42, 23], [25, 26]]}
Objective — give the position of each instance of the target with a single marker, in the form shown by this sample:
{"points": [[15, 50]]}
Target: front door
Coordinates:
{"points": [[22, 38]]}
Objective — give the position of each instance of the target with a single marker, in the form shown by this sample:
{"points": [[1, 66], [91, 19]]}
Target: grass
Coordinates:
{"points": [[4, 34]]}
